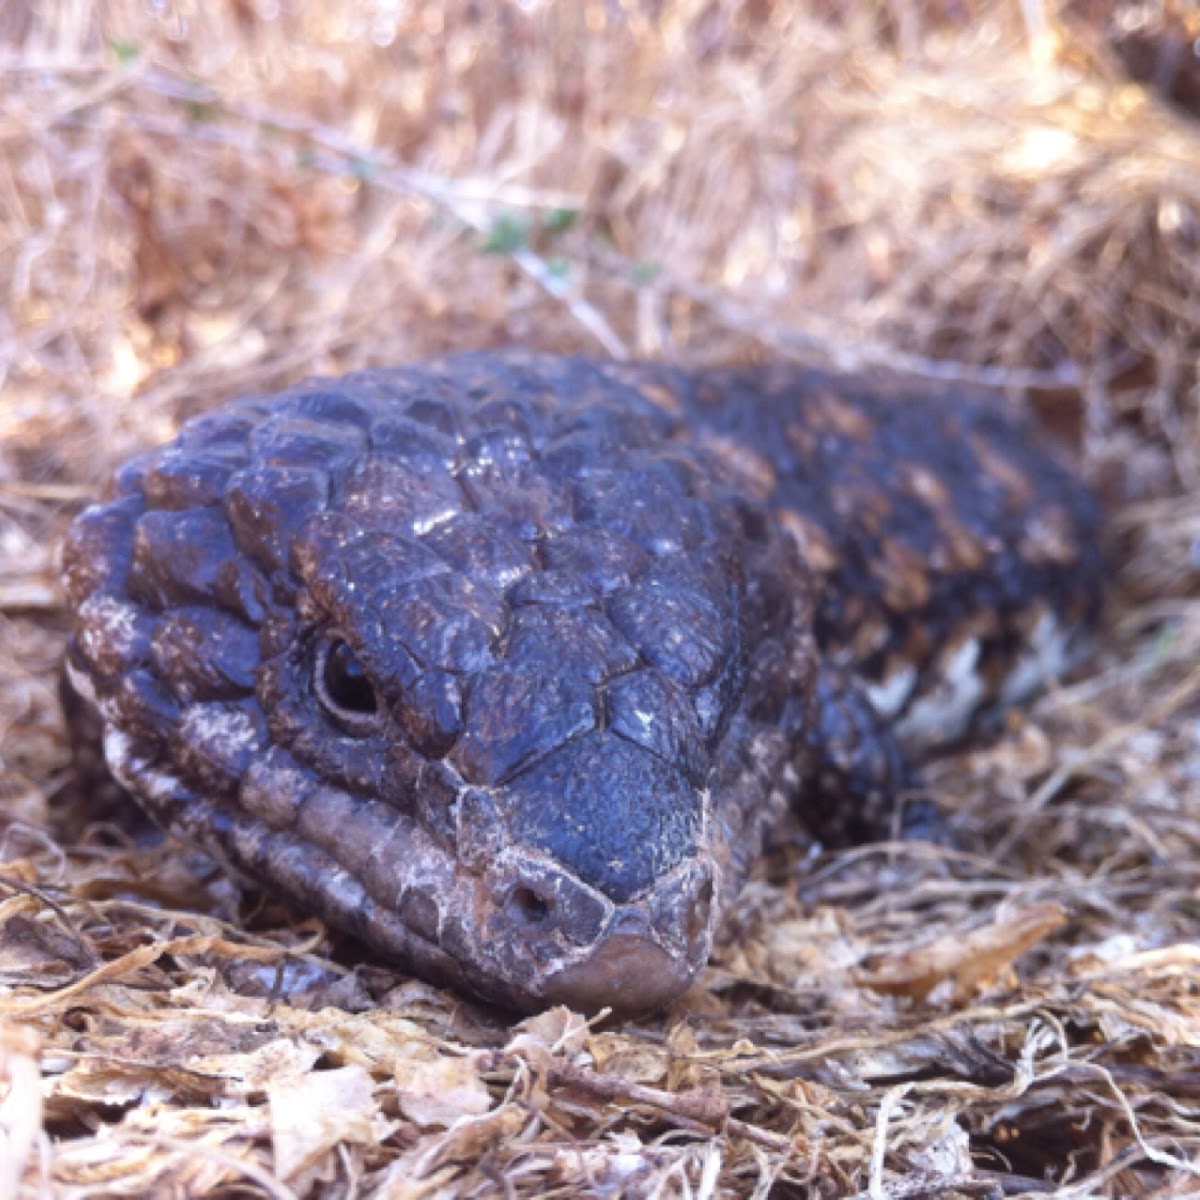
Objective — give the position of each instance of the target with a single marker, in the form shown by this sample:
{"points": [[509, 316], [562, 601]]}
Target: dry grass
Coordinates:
{"points": [[202, 198]]}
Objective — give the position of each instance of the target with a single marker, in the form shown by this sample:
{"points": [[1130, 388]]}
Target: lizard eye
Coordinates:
{"points": [[343, 688]]}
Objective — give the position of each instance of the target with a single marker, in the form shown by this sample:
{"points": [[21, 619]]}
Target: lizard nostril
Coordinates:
{"points": [[528, 906]]}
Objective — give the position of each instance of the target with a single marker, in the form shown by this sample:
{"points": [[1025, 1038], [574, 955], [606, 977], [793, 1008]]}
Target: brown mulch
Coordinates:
{"points": [[201, 198]]}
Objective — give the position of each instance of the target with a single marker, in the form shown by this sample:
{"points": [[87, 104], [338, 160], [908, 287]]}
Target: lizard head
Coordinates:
{"points": [[479, 662]]}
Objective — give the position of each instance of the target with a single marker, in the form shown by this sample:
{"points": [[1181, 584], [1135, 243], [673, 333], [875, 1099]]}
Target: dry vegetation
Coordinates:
{"points": [[204, 197]]}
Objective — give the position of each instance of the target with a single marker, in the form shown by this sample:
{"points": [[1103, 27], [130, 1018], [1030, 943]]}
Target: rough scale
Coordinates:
{"points": [[505, 664]]}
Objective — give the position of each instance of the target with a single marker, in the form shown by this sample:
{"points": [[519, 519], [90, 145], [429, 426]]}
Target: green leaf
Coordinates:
{"points": [[559, 220], [507, 234], [126, 52], [645, 272]]}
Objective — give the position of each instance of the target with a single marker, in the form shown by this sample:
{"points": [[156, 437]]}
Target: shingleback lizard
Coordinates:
{"points": [[506, 664]]}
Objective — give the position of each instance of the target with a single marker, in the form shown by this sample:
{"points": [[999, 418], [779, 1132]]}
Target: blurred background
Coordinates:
{"points": [[200, 198]]}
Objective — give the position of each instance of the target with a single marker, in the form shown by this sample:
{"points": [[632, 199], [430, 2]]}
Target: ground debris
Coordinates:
{"points": [[968, 960]]}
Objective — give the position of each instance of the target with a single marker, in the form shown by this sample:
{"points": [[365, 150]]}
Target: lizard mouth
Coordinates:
{"points": [[649, 953], [627, 972]]}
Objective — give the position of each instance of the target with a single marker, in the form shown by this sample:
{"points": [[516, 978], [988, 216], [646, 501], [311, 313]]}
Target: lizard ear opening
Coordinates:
{"points": [[343, 688]]}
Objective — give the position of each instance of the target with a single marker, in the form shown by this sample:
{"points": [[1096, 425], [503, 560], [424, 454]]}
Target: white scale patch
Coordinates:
{"points": [[1047, 656], [890, 696], [223, 732], [644, 719], [82, 684], [944, 713], [135, 773], [108, 623]]}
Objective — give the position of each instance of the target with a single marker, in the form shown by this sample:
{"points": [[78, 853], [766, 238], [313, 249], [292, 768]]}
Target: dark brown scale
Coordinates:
{"points": [[506, 664]]}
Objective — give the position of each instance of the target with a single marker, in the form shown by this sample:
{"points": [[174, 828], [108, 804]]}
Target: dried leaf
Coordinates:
{"points": [[969, 961], [557, 1031], [312, 1114], [20, 1103], [435, 1091], [421, 1172], [637, 1062]]}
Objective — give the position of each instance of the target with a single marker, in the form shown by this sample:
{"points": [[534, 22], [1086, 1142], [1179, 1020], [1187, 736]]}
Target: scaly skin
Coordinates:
{"points": [[506, 664]]}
